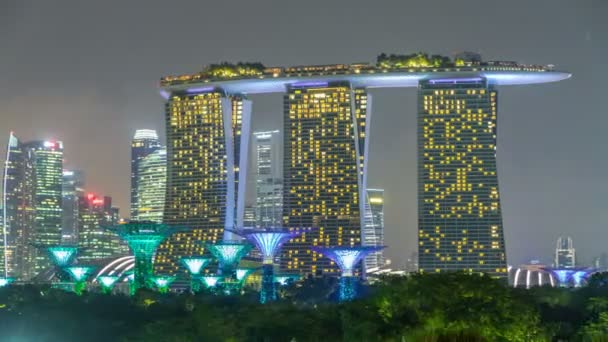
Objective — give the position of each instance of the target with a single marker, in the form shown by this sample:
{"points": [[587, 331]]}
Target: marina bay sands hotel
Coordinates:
{"points": [[328, 113]]}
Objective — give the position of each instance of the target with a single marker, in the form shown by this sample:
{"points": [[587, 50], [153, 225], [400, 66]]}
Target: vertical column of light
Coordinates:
{"points": [[197, 173], [321, 170], [241, 127], [460, 225]]}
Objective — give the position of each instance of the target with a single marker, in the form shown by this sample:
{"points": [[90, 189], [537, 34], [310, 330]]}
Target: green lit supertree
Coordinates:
{"points": [[79, 274], [5, 281], [229, 254], [143, 238], [195, 266], [162, 282], [62, 256], [107, 283]]}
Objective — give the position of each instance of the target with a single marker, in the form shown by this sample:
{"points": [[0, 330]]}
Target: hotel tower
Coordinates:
{"points": [[206, 171]]}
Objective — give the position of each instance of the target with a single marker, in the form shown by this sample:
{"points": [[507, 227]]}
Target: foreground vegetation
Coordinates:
{"points": [[447, 307]]}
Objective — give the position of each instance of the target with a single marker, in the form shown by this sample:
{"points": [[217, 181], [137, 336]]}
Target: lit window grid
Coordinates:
{"points": [[152, 182], [460, 222], [197, 173], [321, 184]]}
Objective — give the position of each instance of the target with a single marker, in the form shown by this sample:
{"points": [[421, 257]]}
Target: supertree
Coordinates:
{"points": [[195, 266], [284, 279], [269, 242], [107, 283], [162, 282], [568, 277], [5, 281], [211, 281], [143, 238], [62, 256], [242, 273], [347, 258], [79, 274]]}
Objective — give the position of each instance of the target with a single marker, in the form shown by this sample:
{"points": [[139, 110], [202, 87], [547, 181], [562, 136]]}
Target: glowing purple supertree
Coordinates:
{"points": [[269, 242], [347, 258], [568, 277]]}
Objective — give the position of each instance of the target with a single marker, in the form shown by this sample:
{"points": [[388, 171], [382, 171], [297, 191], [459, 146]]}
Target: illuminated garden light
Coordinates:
{"points": [[568, 277], [107, 282], [269, 242], [5, 281], [347, 258], [579, 276], [162, 283], [195, 266], [79, 274], [211, 281], [62, 255], [229, 254], [284, 279], [143, 238], [243, 273]]}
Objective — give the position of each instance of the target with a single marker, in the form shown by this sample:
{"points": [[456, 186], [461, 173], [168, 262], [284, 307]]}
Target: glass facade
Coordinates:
{"points": [[94, 240], [268, 181], [373, 227], [17, 212], [145, 141], [151, 186], [47, 161], [206, 171], [459, 215], [73, 187], [324, 132]]}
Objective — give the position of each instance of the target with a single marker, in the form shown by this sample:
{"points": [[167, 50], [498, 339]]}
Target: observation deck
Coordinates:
{"points": [[242, 80]]}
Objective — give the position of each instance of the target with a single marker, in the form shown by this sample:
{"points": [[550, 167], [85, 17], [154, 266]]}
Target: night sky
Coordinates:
{"points": [[86, 72]]}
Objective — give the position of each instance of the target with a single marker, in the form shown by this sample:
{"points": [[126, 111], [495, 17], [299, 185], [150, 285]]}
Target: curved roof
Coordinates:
{"points": [[384, 79]]}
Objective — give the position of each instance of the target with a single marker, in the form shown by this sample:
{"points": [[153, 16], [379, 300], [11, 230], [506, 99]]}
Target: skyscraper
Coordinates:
{"points": [[47, 162], [324, 167], [94, 240], [145, 141], [151, 186], [72, 188], [206, 171], [17, 211], [373, 226], [269, 179], [565, 254], [460, 221]]}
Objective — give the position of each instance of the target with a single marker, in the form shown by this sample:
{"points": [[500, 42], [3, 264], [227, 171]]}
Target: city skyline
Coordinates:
{"points": [[534, 184]]}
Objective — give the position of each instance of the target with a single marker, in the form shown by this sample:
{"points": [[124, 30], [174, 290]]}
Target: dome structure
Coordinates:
{"points": [[527, 276]]}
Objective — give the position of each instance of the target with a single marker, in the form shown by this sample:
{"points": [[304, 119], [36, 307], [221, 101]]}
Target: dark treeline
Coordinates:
{"points": [[444, 307]]}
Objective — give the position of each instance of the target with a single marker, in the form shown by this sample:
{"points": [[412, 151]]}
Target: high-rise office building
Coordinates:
{"points": [[17, 212], [94, 240], [565, 254], [459, 214], [145, 141], [72, 188], [269, 179], [249, 217], [151, 186], [325, 146], [47, 166], [373, 226], [207, 143]]}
